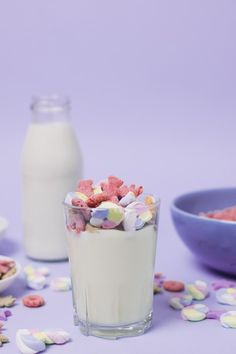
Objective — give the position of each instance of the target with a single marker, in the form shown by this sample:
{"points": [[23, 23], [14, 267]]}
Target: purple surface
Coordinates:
{"points": [[153, 86]]}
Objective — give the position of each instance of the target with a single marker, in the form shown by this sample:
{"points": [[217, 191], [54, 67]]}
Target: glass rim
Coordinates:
{"points": [[156, 204]]}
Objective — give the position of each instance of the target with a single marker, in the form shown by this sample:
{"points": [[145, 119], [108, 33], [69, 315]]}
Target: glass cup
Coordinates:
{"points": [[112, 270]]}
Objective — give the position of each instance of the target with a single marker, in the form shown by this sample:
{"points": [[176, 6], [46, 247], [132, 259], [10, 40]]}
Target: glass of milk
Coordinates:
{"points": [[112, 274], [50, 165]]}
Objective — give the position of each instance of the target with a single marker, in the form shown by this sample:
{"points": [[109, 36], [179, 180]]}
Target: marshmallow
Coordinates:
{"points": [[228, 319], [198, 290], [195, 313], [181, 301], [27, 344], [226, 296], [127, 199], [60, 284]]}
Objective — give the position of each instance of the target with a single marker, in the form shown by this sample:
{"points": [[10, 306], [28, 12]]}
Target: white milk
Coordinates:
{"points": [[51, 165], [112, 275]]}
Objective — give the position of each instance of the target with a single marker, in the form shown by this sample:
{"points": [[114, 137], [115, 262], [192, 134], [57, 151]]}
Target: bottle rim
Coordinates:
{"points": [[50, 103]]}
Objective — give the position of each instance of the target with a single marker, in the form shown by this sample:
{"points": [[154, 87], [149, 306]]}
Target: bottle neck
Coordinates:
{"points": [[49, 109]]}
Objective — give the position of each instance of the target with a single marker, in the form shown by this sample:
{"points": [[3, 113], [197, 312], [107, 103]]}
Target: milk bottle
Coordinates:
{"points": [[50, 165]]}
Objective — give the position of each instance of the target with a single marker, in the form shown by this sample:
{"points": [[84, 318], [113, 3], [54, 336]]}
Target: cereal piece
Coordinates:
{"points": [[109, 189], [80, 223], [7, 301], [5, 261], [111, 186], [96, 199], [9, 273], [198, 290], [115, 181], [228, 214], [76, 221], [4, 268], [173, 285], [85, 187], [27, 343], [33, 301], [228, 319], [114, 199], [10, 263], [156, 289], [136, 190], [181, 301], [78, 203], [78, 216], [226, 296], [7, 268], [127, 199], [223, 283], [60, 284], [122, 191], [3, 339], [195, 313]]}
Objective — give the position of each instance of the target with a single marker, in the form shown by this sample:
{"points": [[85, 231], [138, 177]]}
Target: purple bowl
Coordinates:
{"points": [[212, 241]]}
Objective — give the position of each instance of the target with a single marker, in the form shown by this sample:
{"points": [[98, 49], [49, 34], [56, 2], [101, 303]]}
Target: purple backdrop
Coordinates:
{"points": [[153, 86]]}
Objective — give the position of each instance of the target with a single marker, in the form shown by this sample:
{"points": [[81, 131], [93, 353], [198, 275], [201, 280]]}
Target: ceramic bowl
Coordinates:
{"points": [[212, 241], [3, 226]]}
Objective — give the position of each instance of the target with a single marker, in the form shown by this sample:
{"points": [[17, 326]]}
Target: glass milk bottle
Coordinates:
{"points": [[51, 165]]}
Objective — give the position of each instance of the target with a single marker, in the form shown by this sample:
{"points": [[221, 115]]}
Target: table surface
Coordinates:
{"points": [[170, 176]]}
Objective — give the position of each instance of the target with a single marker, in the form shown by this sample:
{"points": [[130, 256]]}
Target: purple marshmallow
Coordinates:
{"points": [[214, 314], [223, 283]]}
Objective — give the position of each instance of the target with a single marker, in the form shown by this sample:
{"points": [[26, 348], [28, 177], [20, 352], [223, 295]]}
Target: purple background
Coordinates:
{"points": [[153, 86]]}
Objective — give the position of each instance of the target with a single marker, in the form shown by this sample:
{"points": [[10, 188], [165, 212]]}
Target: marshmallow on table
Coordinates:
{"points": [[60, 284], [36, 277], [198, 290], [34, 341], [226, 296], [195, 313]]}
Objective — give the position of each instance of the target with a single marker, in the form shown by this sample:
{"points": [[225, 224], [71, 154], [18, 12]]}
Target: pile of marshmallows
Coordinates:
{"points": [[225, 293], [108, 205]]}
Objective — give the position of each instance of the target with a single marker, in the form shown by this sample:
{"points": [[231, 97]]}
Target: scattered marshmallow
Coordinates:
{"points": [[60, 284]]}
